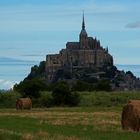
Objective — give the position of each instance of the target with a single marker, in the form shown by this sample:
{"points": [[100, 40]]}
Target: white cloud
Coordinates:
{"points": [[5, 84]]}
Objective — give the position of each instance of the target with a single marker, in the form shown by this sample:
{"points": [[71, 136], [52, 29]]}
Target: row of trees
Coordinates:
{"points": [[32, 87], [61, 92]]}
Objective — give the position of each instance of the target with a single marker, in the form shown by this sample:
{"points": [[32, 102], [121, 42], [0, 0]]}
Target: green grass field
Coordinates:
{"points": [[80, 123], [97, 117]]}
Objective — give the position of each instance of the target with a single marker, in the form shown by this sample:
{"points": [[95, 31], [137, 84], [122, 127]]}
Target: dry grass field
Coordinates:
{"points": [[88, 123], [97, 117]]}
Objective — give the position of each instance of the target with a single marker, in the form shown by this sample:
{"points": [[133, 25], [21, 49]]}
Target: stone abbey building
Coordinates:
{"points": [[86, 53], [84, 61]]}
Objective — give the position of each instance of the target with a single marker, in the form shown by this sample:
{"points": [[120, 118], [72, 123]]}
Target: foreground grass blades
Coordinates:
{"points": [[92, 123]]}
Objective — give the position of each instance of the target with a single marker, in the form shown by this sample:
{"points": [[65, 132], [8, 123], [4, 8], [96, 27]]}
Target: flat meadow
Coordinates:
{"points": [[97, 117]]}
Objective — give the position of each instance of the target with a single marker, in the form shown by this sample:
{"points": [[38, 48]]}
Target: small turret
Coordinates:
{"points": [[107, 49]]}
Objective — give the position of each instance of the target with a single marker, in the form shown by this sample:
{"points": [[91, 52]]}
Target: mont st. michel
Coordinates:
{"points": [[85, 54], [86, 61]]}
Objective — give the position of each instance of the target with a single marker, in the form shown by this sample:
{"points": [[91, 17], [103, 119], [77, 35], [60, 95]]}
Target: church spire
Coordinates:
{"points": [[83, 23], [83, 37], [83, 31]]}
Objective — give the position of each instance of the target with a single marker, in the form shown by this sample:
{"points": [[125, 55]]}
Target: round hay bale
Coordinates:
{"points": [[131, 116], [23, 103]]}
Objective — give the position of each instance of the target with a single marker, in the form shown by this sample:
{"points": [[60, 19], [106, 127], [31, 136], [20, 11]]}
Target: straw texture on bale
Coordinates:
{"points": [[23, 103], [131, 116]]}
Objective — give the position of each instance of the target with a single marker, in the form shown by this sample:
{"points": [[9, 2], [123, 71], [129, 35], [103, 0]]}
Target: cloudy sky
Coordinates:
{"points": [[30, 29]]}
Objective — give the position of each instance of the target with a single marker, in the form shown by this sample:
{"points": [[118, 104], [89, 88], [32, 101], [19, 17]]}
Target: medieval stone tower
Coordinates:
{"points": [[84, 54]]}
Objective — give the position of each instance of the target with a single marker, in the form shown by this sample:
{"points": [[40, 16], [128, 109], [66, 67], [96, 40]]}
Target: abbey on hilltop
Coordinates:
{"points": [[84, 61], [78, 56]]}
